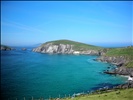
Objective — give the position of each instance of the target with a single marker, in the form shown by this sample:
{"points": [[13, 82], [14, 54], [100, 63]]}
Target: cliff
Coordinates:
{"points": [[122, 58], [67, 47]]}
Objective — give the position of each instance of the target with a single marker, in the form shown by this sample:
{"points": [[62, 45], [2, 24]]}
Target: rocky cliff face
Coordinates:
{"points": [[118, 61], [62, 49], [50, 48]]}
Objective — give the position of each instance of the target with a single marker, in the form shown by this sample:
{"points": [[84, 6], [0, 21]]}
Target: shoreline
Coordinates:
{"points": [[119, 62], [107, 88], [102, 71]]}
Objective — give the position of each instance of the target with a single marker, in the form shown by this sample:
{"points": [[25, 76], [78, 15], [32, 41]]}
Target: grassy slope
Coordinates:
{"points": [[126, 52], [126, 94], [77, 45]]}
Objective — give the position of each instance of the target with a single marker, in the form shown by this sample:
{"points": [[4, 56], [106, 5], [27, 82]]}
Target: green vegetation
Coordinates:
{"points": [[125, 52], [126, 94], [76, 45], [129, 64]]}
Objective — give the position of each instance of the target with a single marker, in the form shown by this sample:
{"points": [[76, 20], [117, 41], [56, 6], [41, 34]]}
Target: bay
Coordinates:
{"points": [[27, 73]]}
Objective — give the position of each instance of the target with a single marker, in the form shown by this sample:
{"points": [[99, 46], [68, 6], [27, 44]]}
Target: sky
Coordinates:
{"points": [[101, 23]]}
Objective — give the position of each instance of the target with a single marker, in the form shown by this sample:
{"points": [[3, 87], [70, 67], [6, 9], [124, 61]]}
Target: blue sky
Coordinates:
{"points": [[98, 23]]}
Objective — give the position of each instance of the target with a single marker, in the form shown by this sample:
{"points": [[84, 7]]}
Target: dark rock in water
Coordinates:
{"points": [[108, 67], [109, 72], [23, 49]]}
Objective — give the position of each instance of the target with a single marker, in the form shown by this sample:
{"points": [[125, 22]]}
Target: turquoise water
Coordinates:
{"points": [[27, 73]]}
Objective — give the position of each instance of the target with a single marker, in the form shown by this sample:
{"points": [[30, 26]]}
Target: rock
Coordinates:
{"points": [[23, 49], [5, 48], [124, 86], [119, 62], [123, 71], [109, 72]]}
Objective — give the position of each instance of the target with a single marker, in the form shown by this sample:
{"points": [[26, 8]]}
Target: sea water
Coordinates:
{"points": [[27, 74]]}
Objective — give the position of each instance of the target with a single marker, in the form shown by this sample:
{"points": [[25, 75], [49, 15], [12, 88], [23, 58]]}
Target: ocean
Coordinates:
{"points": [[31, 74]]}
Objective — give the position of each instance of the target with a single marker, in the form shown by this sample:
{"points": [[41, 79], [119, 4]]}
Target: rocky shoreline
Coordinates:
{"points": [[119, 62], [120, 69]]}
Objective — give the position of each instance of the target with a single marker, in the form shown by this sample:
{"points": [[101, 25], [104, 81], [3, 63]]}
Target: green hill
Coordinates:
{"points": [[76, 45]]}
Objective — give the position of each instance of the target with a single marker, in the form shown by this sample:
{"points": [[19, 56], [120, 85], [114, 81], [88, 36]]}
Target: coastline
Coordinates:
{"points": [[102, 71], [100, 88], [124, 85], [120, 65]]}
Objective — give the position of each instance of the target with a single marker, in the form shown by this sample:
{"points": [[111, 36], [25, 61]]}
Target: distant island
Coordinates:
{"points": [[8, 48], [4, 47], [68, 47]]}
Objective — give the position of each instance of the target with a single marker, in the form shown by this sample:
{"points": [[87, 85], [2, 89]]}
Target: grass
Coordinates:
{"points": [[76, 45], [126, 52], [121, 52], [129, 64], [126, 94]]}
